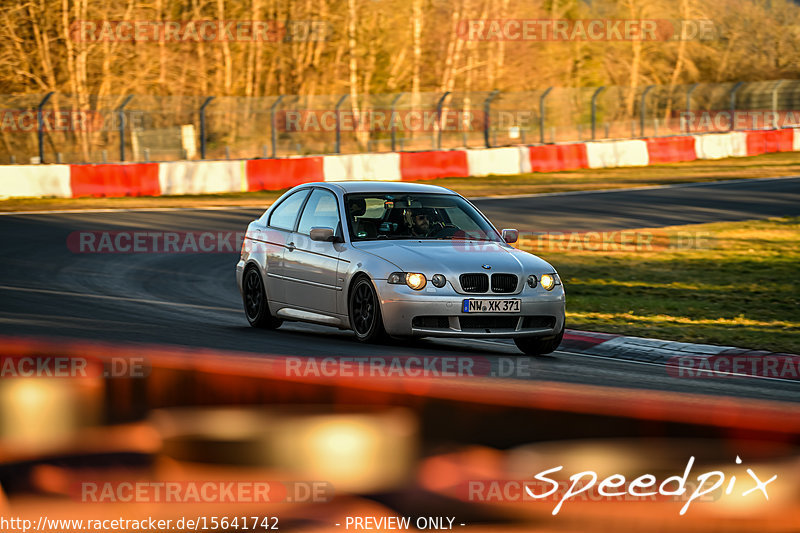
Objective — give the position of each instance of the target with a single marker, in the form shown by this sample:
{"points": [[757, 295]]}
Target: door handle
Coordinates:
{"points": [[290, 246]]}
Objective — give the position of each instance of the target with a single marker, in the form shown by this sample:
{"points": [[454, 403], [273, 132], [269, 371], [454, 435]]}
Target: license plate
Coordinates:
{"points": [[490, 306]]}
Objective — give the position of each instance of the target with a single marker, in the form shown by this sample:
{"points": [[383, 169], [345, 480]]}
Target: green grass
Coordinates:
{"points": [[743, 290], [767, 165]]}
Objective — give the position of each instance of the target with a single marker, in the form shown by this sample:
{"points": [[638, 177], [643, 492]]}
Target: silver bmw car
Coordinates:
{"points": [[396, 259]]}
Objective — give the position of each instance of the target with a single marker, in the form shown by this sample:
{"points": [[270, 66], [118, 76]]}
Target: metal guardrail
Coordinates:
{"points": [[80, 129]]}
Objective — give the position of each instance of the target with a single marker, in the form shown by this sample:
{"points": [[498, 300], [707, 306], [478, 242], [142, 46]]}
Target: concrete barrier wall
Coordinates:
{"points": [[497, 161], [610, 154], [721, 145], [210, 177], [38, 181], [382, 167], [113, 181], [201, 177]]}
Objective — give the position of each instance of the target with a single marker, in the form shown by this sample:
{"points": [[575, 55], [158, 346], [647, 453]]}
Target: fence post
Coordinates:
{"points": [[542, 114], [121, 118], [273, 124], [594, 109], [487, 107], [775, 104], [391, 117], [40, 121], [689, 92], [733, 104], [643, 109], [439, 105], [339, 125], [203, 127]]}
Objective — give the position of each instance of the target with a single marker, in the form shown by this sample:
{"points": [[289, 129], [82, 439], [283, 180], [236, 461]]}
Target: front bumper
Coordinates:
{"points": [[239, 274], [439, 313]]}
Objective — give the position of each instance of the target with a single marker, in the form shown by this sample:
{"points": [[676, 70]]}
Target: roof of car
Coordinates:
{"points": [[384, 187]]}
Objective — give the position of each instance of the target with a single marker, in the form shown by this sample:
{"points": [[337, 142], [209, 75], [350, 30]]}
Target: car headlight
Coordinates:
{"points": [[415, 280], [548, 281], [532, 281], [439, 280]]}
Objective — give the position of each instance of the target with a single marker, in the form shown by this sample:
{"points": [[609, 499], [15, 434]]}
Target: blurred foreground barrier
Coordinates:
{"points": [[193, 431], [182, 376]]}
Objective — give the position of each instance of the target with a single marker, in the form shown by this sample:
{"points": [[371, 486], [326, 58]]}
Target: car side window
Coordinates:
{"points": [[285, 214], [321, 210]]}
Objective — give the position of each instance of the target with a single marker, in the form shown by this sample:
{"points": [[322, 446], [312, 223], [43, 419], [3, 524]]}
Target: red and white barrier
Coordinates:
{"points": [[110, 180], [209, 177], [497, 161], [611, 154], [39, 181], [201, 177], [721, 145], [671, 149], [433, 164], [275, 174], [555, 157], [382, 167]]}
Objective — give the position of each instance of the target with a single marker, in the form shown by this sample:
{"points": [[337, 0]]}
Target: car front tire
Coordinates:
{"points": [[254, 298], [365, 311], [539, 345]]}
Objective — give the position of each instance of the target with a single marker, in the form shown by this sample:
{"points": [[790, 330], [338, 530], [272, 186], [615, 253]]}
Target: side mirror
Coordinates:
{"points": [[322, 234], [510, 235]]}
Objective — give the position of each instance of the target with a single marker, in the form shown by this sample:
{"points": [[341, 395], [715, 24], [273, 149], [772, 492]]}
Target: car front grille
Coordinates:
{"points": [[485, 322], [479, 283], [537, 322], [474, 282], [504, 282], [488, 322], [431, 322]]}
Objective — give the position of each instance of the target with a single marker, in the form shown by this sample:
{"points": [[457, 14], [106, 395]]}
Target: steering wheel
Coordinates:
{"points": [[443, 230]]}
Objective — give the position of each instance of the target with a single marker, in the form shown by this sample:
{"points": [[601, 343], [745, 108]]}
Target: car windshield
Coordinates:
{"points": [[378, 216]]}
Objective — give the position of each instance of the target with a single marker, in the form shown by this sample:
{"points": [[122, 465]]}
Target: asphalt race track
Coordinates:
{"points": [[647, 207], [192, 300]]}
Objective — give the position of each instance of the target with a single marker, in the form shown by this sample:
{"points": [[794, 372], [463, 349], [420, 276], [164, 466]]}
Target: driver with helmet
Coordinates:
{"points": [[420, 221]]}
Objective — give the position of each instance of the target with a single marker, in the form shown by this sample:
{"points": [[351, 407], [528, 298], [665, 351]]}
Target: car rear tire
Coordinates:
{"points": [[254, 298], [365, 311], [539, 345]]}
